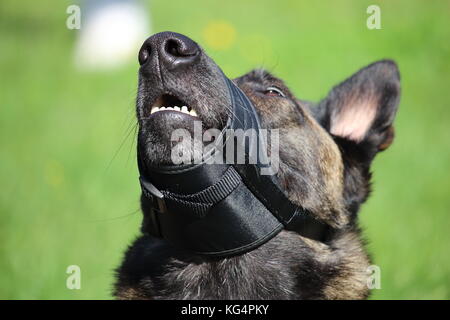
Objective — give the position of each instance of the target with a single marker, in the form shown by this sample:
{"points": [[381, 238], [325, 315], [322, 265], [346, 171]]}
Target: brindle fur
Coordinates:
{"points": [[325, 173]]}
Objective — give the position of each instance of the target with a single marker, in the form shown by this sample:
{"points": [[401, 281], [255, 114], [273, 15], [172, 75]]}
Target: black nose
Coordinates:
{"points": [[171, 50]]}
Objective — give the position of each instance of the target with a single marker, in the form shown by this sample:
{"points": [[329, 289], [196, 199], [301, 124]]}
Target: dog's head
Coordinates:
{"points": [[325, 149]]}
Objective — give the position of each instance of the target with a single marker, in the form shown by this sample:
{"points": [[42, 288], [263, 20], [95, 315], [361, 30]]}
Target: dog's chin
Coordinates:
{"points": [[168, 136]]}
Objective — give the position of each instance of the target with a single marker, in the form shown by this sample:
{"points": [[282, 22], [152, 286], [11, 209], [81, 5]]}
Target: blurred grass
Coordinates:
{"points": [[69, 179]]}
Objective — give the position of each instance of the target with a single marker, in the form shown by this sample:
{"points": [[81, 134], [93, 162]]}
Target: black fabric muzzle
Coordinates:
{"points": [[223, 209]]}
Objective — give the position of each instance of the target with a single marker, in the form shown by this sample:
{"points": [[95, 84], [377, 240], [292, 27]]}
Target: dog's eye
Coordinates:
{"points": [[274, 92]]}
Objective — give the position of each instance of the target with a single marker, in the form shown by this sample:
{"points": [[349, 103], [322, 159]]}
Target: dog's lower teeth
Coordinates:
{"points": [[183, 109]]}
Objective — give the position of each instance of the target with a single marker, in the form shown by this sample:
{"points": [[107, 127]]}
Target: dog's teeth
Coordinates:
{"points": [[183, 109]]}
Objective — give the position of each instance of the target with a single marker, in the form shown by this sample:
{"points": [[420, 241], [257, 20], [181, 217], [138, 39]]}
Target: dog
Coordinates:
{"points": [[325, 153]]}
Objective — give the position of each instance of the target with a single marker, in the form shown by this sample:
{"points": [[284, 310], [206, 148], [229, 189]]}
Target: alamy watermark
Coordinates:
{"points": [[73, 21], [374, 20], [73, 281], [373, 277], [214, 146]]}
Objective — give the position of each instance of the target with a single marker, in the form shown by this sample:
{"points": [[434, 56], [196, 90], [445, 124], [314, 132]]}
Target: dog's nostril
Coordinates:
{"points": [[172, 48], [143, 55], [178, 51], [177, 48]]}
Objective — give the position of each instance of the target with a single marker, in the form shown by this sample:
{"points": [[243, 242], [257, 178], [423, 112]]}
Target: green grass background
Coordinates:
{"points": [[69, 188]]}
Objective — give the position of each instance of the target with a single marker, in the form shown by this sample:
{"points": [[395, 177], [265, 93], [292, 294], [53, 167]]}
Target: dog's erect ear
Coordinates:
{"points": [[361, 109], [358, 113]]}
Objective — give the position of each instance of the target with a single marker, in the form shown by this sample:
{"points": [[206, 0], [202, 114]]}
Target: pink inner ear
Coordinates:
{"points": [[354, 119]]}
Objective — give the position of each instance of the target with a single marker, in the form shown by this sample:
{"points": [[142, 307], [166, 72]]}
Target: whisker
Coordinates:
{"points": [[133, 143], [118, 217], [128, 131]]}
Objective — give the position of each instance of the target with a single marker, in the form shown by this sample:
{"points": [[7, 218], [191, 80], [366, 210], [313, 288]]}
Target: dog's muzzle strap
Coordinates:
{"points": [[223, 219]]}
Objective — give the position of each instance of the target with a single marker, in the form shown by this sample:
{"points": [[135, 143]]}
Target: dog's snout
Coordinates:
{"points": [[170, 50]]}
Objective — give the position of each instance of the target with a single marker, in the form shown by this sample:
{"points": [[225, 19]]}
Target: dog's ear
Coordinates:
{"points": [[358, 113], [360, 110]]}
